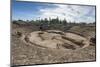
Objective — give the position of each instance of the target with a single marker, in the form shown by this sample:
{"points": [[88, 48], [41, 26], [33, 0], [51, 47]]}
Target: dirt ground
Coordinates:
{"points": [[23, 53]]}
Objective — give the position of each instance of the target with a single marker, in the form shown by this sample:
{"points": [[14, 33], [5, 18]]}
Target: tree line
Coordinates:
{"points": [[55, 21]]}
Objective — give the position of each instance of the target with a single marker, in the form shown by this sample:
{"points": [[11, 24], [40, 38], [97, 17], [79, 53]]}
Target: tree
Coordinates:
{"points": [[64, 22]]}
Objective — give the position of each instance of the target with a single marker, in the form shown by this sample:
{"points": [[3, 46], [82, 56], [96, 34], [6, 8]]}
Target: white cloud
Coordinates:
{"points": [[69, 12]]}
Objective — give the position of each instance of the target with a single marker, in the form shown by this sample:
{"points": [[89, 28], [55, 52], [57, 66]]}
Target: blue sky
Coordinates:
{"points": [[33, 11]]}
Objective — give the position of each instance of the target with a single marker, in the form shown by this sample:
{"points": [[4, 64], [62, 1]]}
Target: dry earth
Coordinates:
{"points": [[31, 46]]}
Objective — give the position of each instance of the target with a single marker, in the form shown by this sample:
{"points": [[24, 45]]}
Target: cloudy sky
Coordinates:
{"points": [[33, 11]]}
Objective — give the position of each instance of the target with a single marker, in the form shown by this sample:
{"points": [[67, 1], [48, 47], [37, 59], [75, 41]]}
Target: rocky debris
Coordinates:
{"points": [[93, 41]]}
